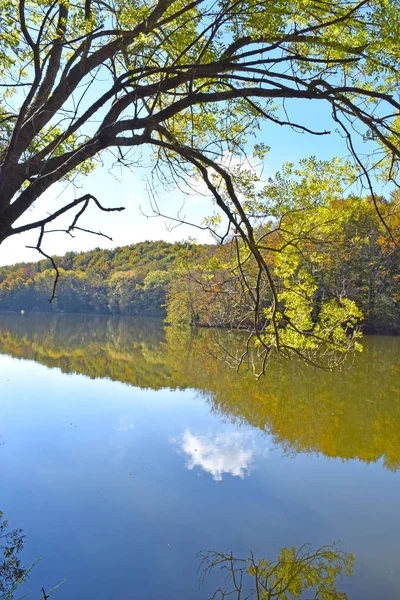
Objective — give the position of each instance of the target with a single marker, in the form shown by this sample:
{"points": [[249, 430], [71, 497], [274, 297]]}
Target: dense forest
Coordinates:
{"points": [[189, 283], [129, 280]]}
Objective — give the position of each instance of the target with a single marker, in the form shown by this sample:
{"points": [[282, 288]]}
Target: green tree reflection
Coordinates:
{"points": [[350, 415], [12, 573], [296, 571]]}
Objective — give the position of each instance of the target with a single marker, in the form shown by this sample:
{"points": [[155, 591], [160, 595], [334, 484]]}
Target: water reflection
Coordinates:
{"points": [[12, 572], [349, 415], [125, 425], [219, 454], [296, 571]]}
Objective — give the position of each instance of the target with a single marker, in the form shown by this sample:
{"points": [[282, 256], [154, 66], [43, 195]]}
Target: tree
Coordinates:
{"points": [[297, 570], [192, 82], [11, 570]]}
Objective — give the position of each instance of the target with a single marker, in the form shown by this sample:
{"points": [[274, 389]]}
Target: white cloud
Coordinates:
{"points": [[219, 454]]}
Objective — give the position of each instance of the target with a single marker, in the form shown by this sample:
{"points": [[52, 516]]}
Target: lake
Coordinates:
{"points": [[127, 449]]}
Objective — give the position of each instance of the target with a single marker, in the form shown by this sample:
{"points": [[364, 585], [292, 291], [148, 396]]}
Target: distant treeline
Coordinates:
{"points": [[195, 284], [130, 280]]}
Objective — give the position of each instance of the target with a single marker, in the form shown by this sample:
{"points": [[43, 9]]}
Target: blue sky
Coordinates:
{"points": [[126, 188]]}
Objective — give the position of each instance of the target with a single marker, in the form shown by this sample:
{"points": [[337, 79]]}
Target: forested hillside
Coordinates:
{"points": [[333, 261], [129, 280], [352, 260]]}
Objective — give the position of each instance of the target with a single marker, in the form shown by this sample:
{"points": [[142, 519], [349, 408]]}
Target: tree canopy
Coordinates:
{"points": [[194, 83]]}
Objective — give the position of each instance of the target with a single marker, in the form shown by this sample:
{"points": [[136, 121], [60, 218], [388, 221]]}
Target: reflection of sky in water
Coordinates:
{"points": [[125, 425], [219, 454], [105, 480]]}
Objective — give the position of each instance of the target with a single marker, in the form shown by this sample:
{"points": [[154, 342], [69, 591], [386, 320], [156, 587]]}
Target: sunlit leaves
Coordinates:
{"points": [[327, 255], [294, 572], [11, 569]]}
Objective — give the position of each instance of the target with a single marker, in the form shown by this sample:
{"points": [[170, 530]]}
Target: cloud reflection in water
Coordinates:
{"points": [[219, 454]]}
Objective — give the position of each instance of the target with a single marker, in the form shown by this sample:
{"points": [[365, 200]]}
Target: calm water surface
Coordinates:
{"points": [[126, 449]]}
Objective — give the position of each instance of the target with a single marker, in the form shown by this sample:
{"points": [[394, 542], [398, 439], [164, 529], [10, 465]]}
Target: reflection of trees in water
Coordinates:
{"points": [[11, 570], [295, 572], [347, 415], [12, 573]]}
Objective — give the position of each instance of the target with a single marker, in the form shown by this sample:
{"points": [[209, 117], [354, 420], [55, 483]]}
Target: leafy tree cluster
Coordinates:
{"points": [[296, 573], [11, 570], [129, 280], [333, 266]]}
